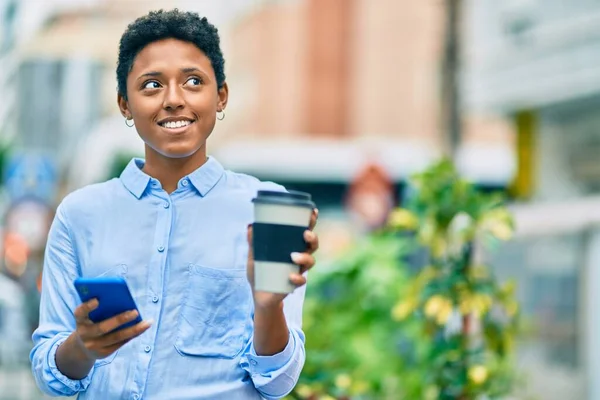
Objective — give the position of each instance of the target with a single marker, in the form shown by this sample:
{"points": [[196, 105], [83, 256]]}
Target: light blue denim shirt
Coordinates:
{"points": [[184, 258]]}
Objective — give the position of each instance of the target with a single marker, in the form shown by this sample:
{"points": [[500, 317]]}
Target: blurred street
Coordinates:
{"points": [[347, 100]]}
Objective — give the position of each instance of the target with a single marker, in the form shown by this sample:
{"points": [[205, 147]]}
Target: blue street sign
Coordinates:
{"points": [[31, 175]]}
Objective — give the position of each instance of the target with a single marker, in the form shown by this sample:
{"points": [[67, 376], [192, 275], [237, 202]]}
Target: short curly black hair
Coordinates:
{"points": [[173, 24]]}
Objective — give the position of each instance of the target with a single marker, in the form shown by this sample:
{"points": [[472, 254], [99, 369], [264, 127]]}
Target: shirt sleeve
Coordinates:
{"points": [[275, 376], [58, 302]]}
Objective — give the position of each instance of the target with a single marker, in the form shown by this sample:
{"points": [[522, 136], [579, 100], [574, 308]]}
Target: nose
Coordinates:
{"points": [[173, 98]]}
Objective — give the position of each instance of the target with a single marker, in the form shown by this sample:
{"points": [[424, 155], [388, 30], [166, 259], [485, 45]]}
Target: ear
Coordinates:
{"points": [[123, 106], [223, 97]]}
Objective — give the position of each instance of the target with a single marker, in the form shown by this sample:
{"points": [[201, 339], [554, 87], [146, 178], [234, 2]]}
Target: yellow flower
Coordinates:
{"points": [[481, 304], [343, 381], [478, 374], [477, 304], [402, 310], [502, 231], [433, 305], [304, 391], [401, 218], [440, 308], [499, 223], [444, 314]]}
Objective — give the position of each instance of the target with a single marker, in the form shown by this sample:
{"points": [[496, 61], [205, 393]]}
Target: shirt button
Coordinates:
{"points": [[253, 362], [161, 249], [155, 299], [166, 204], [185, 182], [136, 396], [147, 349]]}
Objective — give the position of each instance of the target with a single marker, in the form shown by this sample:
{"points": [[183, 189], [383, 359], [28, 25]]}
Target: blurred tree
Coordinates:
{"points": [[118, 164], [355, 348], [5, 151], [468, 318], [376, 330]]}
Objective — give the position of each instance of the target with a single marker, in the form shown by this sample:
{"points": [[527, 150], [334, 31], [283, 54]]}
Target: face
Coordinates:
{"points": [[173, 99]]}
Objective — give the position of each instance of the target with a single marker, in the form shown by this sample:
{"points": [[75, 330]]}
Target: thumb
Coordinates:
{"points": [[249, 236]]}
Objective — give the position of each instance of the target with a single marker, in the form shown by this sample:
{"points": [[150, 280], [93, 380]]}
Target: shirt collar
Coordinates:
{"points": [[207, 176], [134, 179], [203, 179]]}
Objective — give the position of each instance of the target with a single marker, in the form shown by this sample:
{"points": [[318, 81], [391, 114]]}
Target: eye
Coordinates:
{"points": [[151, 85], [194, 81]]}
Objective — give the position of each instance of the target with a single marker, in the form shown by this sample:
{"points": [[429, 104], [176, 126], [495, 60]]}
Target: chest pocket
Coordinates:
{"points": [[215, 315]]}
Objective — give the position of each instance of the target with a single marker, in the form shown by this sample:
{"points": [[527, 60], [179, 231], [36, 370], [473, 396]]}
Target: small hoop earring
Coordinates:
{"points": [[132, 123], [222, 116]]}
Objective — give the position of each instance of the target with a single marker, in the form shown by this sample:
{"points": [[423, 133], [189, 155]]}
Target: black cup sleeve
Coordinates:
{"points": [[275, 243]]}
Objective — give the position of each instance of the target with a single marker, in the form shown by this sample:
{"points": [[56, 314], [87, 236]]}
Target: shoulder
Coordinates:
{"points": [[249, 183], [89, 199]]}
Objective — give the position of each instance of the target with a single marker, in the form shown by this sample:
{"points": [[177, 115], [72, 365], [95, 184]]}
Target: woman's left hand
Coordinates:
{"points": [[305, 261]]}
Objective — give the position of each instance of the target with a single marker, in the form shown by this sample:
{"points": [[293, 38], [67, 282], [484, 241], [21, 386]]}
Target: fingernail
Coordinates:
{"points": [[295, 256], [133, 313], [317, 212], [309, 235], [149, 322]]}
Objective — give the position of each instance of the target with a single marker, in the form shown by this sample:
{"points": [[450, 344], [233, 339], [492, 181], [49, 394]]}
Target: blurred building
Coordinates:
{"points": [[322, 88], [8, 60], [538, 64], [319, 89]]}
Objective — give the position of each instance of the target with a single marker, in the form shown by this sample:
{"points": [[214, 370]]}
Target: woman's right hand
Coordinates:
{"points": [[99, 340]]}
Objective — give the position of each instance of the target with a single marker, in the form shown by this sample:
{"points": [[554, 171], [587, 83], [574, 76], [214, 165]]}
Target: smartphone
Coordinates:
{"points": [[113, 297]]}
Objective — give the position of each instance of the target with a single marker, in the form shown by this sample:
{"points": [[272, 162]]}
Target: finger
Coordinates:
{"points": [[113, 323], [312, 241], [313, 219], [304, 260], [124, 335], [249, 234], [297, 280], [107, 351], [250, 248], [83, 310]]}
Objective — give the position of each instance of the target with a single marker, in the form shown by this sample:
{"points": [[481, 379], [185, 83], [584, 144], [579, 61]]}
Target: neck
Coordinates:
{"points": [[168, 171]]}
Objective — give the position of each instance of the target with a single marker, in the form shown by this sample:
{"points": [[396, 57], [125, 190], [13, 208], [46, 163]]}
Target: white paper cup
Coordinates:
{"points": [[280, 219]]}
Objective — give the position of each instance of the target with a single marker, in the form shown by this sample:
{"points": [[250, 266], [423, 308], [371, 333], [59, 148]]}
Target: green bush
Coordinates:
{"points": [[377, 331]]}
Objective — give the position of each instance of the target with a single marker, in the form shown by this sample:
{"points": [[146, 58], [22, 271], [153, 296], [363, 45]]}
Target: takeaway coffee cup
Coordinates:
{"points": [[280, 219]]}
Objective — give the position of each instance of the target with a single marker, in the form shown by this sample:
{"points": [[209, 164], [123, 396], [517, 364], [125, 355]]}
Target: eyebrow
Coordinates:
{"points": [[157, 73], [190, 69], [150, 74]]}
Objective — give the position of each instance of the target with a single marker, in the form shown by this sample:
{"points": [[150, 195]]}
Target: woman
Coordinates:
{"points": [[176, 226]]}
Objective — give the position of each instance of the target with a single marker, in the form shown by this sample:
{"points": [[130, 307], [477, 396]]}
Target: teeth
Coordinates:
{"points": [[176, 124]]}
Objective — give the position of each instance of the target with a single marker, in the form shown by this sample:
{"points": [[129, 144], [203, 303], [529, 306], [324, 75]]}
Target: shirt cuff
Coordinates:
{"points": [[75, 385], [265, 365]]}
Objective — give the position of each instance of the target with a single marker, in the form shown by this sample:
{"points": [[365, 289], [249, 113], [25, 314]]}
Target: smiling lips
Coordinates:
{"points": [[175, 123]]}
